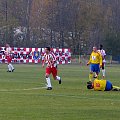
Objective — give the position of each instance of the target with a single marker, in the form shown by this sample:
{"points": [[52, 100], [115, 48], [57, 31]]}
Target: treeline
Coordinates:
{"points": [[75, 24]]}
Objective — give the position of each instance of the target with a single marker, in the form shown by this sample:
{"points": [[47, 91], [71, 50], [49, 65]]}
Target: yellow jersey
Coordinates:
{"points": [[99, 85], [95, 58]]}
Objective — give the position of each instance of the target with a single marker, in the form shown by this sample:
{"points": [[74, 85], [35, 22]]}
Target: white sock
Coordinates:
{"points": [[48, 82], [96, 75], [103, 72], [11, 66], [58, 78]]}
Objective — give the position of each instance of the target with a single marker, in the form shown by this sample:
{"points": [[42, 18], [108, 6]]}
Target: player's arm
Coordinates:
{"points": [[100, 60], [89, 60], [53, 59], [104, 55], [43, 62]]}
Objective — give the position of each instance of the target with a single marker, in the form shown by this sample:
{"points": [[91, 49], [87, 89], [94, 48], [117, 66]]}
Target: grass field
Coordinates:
{"points": [[22, 96]]}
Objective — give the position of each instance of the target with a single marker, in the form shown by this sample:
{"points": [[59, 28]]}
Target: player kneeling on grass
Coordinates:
{"points": [[50, 60], [102, 85]]}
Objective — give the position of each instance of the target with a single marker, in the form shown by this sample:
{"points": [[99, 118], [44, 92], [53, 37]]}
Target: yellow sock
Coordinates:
{"points": [[116, 87], [98, 76], [90, 76]]}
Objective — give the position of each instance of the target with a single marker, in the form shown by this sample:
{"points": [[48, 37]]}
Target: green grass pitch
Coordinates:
{"points": [[22, 96]]}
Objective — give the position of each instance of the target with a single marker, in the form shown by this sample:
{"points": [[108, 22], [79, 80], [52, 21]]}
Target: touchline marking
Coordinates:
{"points": [[57, 95], [25, 89]]}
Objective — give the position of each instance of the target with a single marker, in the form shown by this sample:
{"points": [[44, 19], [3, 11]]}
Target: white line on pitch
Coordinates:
{"points": [[60, 95], [25, 89]]}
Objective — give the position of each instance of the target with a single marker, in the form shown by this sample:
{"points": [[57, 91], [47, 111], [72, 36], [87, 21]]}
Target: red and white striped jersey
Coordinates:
{"points": [[8, 51], [102, 52], [50, 60]]}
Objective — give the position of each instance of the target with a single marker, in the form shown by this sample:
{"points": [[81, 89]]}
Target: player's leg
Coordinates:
{"points": [[12, 68], [47, 75], [109, 86], [91, 72], [95, 75], [8, 62], [97, 70], [116, 88], [9, 68], [103, 70], [90, 76], [55, 76]]}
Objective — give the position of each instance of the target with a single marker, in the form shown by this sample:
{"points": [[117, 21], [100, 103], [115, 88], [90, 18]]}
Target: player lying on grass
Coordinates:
{"points": [[102, 85]]}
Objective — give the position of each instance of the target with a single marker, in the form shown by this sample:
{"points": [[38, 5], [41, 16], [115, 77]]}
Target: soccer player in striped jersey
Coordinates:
{"points": [[8, 53], [102, 52], [50, 60]]}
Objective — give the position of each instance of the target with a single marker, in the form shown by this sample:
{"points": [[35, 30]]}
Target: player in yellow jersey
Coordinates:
{"points": [[102, 85], [95, 63]]}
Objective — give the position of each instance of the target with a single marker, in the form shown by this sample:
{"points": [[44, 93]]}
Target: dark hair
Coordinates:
{"points": [[48, 48], [89, 86], [101, 46]]}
